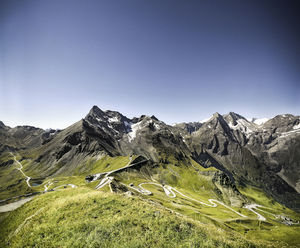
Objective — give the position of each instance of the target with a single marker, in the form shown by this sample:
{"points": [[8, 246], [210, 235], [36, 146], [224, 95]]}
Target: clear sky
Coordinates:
{"points": [[179, 60]]}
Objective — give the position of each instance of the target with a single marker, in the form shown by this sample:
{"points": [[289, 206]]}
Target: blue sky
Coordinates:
{"points": [[179, 60]]}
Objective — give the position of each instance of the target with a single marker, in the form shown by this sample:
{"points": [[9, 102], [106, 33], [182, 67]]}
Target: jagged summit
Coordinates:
{"points": [[95, 110], [154, 117], [188, 127], [233, 118], [216, 115]]}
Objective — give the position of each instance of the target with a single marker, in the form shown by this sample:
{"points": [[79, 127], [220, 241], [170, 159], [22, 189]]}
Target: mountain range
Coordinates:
{"points": [[260, 153]]}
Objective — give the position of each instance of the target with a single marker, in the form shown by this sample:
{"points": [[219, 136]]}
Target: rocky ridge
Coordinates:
{"points": [[261, 153]]}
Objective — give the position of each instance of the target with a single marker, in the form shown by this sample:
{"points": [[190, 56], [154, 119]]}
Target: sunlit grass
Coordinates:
{"points": [[85, 218], [74, 206]]}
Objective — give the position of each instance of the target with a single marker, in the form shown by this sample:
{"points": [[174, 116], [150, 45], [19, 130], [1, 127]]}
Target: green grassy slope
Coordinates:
{"points": [[197, 184], [12, 182], [86, 218]]}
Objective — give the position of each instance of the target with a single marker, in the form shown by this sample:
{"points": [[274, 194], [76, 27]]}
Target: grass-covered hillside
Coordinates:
{"points": [[12, 181], [83, 217], [168, 204]]}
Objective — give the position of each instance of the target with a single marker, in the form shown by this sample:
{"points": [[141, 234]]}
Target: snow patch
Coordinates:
{"points": [[206, 120], [243, 126], [230, 124], [157, 127], [296, 126], [295, 131], [134, 129], [138, 126], [113, 119], [260, 121]]}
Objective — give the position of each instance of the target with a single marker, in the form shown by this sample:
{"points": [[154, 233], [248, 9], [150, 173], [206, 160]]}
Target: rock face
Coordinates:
{"points": [[259, 152], [265, 155]]}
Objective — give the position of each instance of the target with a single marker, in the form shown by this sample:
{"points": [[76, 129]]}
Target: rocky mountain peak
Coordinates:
{"points": [[214, 118], [144, 117], [216, 115], [218, 119], [2, 126], [154, 117], [282, 123], [240, 148], [96, 111], [233, 117], [189, 127]]}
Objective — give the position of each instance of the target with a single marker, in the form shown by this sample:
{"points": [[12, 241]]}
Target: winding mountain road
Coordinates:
{"points": [[108, 179], [251, 208], [170, 192], [48, 184], [27, 197], [104, 181], [27, 178]]}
